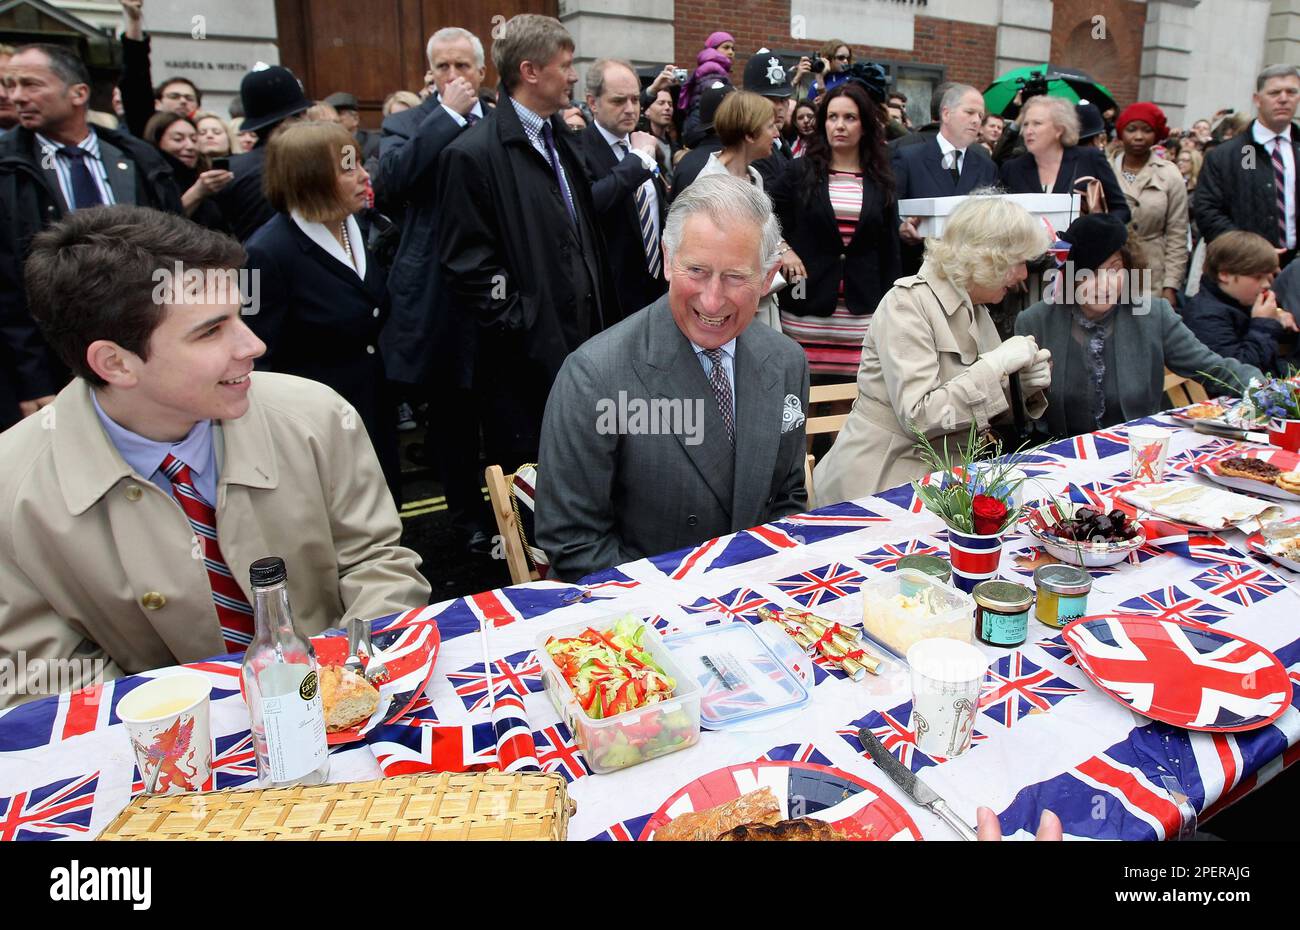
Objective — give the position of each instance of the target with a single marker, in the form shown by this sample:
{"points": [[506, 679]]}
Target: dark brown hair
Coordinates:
{"points": [[1240, 252], [302, 169], [873, 154], [93, 275]]}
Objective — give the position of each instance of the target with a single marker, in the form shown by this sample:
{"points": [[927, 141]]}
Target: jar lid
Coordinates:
{"points": [[1062, 579], [935, 565], [1003, 596]]}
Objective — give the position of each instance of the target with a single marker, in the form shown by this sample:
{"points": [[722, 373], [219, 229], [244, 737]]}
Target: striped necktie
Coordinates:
{"points": [[649, 237], [1279, 178], [233, 611]]}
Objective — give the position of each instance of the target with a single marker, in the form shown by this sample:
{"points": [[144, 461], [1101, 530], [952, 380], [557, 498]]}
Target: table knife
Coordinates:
{"points": [[1231, 433], [913, 787]]}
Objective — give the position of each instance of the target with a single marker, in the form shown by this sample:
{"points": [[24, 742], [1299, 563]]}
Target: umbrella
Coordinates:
{"points": [[1070, 83]]}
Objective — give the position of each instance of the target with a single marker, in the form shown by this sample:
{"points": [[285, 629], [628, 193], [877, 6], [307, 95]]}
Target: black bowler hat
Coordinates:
{"points": [[270, 96], [342, 101], [1094, 238], [1090, 121], [766, 76]]}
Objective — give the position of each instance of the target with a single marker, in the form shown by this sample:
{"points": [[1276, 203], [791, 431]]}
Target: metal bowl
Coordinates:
{"points": [[1087, 554]]}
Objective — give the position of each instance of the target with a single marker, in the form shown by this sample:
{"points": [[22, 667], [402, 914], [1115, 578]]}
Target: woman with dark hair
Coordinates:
{"points": [[838, 212], [1111, 339], [323, 298], [176, 137], [803, 127]]}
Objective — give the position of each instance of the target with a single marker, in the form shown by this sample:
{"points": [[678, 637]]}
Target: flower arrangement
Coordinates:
{"points": [[972, 496], [1276, 398]]}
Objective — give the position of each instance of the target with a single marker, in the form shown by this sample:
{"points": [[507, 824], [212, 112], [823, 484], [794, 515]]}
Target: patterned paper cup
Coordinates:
{"points": [[1148, 447], [167, 721], [946, 680], [1284, 433], [974, 558]]}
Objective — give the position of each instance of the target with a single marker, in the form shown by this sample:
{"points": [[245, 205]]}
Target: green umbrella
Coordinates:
{"points": [[1070, 83]]}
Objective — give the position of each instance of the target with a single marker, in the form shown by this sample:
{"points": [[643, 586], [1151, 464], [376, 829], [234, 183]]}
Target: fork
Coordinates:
{"points": [[376, 670], [356, 630]]}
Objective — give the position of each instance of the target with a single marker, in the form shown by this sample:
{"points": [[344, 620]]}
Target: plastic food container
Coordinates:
{"points": [[895, 621], [741, 679], [635, 736]]}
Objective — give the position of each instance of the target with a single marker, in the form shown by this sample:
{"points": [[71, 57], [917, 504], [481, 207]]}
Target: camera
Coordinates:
{"points": [[679, 75], [818, 66], [1033, 86]]}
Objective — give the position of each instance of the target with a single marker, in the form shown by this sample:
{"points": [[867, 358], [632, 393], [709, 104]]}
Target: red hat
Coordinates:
{"points": [[1147, 113]]}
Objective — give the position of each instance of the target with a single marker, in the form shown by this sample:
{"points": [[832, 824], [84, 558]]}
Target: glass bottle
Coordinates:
{"points": [[282, 687]]}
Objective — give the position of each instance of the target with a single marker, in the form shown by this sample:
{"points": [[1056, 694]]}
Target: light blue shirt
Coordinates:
{"points": [[477, 110], [145, 456], [95, 162], [728, 367]]}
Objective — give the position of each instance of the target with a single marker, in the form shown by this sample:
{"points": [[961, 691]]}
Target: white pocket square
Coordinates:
{"points": [[792, 413]]}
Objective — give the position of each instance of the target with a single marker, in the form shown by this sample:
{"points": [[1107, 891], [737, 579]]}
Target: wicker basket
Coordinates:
{"points": [[479, 806]]}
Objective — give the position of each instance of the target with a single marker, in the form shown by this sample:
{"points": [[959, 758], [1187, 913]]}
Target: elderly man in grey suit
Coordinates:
{"points": [[683, 422]]}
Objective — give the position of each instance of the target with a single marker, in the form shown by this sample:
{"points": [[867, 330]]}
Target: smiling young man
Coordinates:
{"points": [[713, 437], [133, 506]]}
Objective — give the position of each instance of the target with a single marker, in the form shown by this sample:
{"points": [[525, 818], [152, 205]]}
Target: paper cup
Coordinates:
{"points": [[1148, 446], [168, 723], [946, 680]]}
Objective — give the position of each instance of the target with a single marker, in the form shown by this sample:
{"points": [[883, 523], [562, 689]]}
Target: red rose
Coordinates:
{"points": [[990, 513]]}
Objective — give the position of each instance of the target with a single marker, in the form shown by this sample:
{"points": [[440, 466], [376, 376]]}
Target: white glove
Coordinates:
{"points": [[1013, 355], [1038, 376]]}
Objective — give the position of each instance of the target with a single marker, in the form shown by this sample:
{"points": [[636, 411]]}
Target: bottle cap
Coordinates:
{"points": [[265, 572]]}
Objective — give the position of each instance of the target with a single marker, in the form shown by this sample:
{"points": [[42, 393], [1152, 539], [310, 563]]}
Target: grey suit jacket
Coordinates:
{"points": [[611, 492]]}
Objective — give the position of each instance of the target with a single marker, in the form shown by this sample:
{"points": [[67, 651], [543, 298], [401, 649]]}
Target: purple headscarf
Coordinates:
{"points": [[717, 38]]}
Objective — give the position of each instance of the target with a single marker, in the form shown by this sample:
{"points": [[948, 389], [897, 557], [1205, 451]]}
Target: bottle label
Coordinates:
{"points": [[1071, 608], [294, 721], [1003, 629]]}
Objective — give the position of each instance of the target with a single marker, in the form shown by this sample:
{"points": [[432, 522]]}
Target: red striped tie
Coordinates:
{"points": [[233, 611]]}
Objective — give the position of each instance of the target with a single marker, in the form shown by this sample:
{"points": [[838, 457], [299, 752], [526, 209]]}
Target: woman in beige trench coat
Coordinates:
{"points": [[933, 360]]}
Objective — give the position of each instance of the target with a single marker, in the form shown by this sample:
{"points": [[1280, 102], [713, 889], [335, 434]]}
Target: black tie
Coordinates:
{"points": [[471, 118], [952, 167], [85, 192]]}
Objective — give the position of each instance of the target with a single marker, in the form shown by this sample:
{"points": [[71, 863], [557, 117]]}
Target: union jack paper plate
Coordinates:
{"points": [[1186, 674], [853, 806], [1287, 461], [409, 650]]}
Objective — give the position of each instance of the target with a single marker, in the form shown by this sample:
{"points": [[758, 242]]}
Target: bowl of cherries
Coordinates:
{"points": [[1086, 536]]}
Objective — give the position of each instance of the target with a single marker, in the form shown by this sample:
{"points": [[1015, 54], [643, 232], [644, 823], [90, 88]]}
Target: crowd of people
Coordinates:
{"points": [[504, 262]]}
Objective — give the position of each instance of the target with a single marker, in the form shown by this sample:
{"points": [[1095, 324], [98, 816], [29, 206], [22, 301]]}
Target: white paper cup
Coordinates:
{"points": [[946, 679], [168, 723], [1148, 447]]}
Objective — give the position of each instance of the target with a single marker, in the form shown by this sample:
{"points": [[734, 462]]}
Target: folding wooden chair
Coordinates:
{"points": [[512, 505]]}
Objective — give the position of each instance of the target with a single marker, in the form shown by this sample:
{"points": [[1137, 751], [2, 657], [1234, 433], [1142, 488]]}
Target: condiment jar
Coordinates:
{"points": [[1062, 594], [935, 566], [1002, 612]]}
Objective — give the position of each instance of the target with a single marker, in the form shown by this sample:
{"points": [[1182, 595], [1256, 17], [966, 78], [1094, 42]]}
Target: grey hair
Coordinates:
{"points": [[596, 74], [952, 96], [527, 37], [1062, 114], [1275, 71], [455, 34], [728, 202]]}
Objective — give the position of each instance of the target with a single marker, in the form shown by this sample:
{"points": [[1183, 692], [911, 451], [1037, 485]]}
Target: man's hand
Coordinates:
{"points": [[663, 80], [458, 94], [907, 231], [644, 142], [28, 407], [802, 70], [1049, 826], [133, 13]]}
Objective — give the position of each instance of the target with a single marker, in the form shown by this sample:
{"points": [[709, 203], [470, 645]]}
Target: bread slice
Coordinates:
{"points": [[347, 697], [756, 807]]}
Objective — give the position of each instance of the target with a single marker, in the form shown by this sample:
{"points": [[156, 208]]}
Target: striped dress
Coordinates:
{"points": [[834, 343]]}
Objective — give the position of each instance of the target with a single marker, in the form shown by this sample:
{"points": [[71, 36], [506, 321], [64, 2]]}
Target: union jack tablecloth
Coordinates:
{"points": [[1045, 736]]}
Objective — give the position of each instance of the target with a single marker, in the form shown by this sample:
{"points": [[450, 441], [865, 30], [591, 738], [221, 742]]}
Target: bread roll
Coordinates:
{"points": [[347, 697], [756, 807]]}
